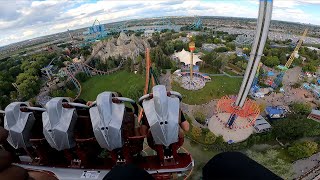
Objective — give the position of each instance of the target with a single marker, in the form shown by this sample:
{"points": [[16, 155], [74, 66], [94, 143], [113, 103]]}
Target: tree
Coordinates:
{"points": [[273, 162], [29, 87], [209, 57], [128, 66], [70, 93], [4, 101], [209, 138], [178, 45], [169, 48], [81, 76], [301, 108], [221, 49], [160, 59], [246, 51], [217, 41], [291, 128], [57, 93], [139, 59], [205, 131], [271, 61], [199, 117], [196, 132], [233, 57], [217, 64], [309, 67], [140, 69], [303, 149], [103, 66], [231, 46], [242, 64], [283, 58]]}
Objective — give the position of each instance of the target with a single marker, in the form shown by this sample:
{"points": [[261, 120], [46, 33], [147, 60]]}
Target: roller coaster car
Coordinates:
{"points": [[114, 127], [70, 139], [162, 111]]}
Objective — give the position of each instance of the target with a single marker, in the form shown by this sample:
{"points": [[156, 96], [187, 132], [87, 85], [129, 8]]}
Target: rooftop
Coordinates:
{"points": [[275, 110], [184, 56]]}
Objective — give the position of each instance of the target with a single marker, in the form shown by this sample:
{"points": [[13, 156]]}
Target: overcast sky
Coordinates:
{"points": [[25, 19]]}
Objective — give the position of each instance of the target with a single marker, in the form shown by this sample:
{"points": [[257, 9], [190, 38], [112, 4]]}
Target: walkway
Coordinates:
{"points": [[307, 168], [224, 74], [207, 109], [166, 79]]}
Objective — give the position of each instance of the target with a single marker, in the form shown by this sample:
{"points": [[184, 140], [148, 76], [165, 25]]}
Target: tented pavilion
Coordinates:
{"points": [[199, 80], [185, 58]]}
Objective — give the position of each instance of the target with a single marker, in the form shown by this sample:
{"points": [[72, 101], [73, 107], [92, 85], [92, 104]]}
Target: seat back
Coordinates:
{"points": [[58, 124], [106, 118], [162, 112], [19, 125]]}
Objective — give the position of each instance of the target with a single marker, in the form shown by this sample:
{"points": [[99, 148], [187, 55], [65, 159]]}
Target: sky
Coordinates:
{"points": [[25, 19]]}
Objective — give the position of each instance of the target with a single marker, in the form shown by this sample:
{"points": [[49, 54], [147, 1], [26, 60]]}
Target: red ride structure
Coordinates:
{"points": [[250, 111]]}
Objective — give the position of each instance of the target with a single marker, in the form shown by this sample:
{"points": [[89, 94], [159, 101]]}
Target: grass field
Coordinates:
{"points": [[199, 155], [231, 73], [218, 87], [209, 70], [129, 84]]}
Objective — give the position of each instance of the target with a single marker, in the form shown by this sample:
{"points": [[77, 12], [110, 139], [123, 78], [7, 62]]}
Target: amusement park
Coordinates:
{"points": [[164, 98]]}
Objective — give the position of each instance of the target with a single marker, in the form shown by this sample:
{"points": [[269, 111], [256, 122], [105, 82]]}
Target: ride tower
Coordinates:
{"points": [[192, 47], [238, 112]]}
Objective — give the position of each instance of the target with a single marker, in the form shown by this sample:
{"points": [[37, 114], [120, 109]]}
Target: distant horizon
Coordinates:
{"points": [[24, 20], [149, 18]]}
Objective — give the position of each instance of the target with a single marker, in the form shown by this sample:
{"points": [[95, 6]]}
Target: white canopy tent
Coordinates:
{"points": [[184, 56]]}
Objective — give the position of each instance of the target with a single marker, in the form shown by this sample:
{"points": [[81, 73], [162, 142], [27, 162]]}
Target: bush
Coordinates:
{"points": [[301, 108], [205, 131], [303, 150], [271, 159], [81, 76], [209, 138], [196, 132], [70, 93], [296, 85], [200, 117], [294, 127], [221, 49], [57, 93], [219, 140]]}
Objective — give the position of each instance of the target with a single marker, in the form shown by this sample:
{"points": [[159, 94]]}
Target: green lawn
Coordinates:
{"points": [[231, 73], [199, 155], [218, 87], [129, 84], [209, 70]]}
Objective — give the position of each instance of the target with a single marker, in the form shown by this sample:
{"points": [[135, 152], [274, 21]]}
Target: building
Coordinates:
{"points": [[275, 112], [314, 115], [314, 49], [209, 47], [148, 33], [261, 125], [184, 57]]}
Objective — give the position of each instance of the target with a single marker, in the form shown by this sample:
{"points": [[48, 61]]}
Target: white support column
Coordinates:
{"points": [[253, 51], [263, 40]]}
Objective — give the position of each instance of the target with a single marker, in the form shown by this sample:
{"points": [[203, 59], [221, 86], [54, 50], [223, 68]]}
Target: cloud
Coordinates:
{"points": [[20, 20], [28, 33]]}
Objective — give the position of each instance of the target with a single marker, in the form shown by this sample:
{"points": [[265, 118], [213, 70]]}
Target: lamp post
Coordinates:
{"points": [[192, 47]]}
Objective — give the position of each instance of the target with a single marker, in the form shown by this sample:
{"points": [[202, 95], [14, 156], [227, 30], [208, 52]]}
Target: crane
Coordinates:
{"points": [[279, 78]]}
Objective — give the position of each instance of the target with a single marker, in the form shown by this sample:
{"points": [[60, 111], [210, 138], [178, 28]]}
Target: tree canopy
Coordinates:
{"points": [[303, 149]]}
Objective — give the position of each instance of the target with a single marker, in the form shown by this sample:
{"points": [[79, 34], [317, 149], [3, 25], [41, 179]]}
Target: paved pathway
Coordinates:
{"points": [[166, 79], [302, 166]]}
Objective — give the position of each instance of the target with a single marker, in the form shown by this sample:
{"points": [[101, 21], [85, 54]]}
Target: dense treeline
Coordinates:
{"points": [[25, 73], [308, 58]]}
